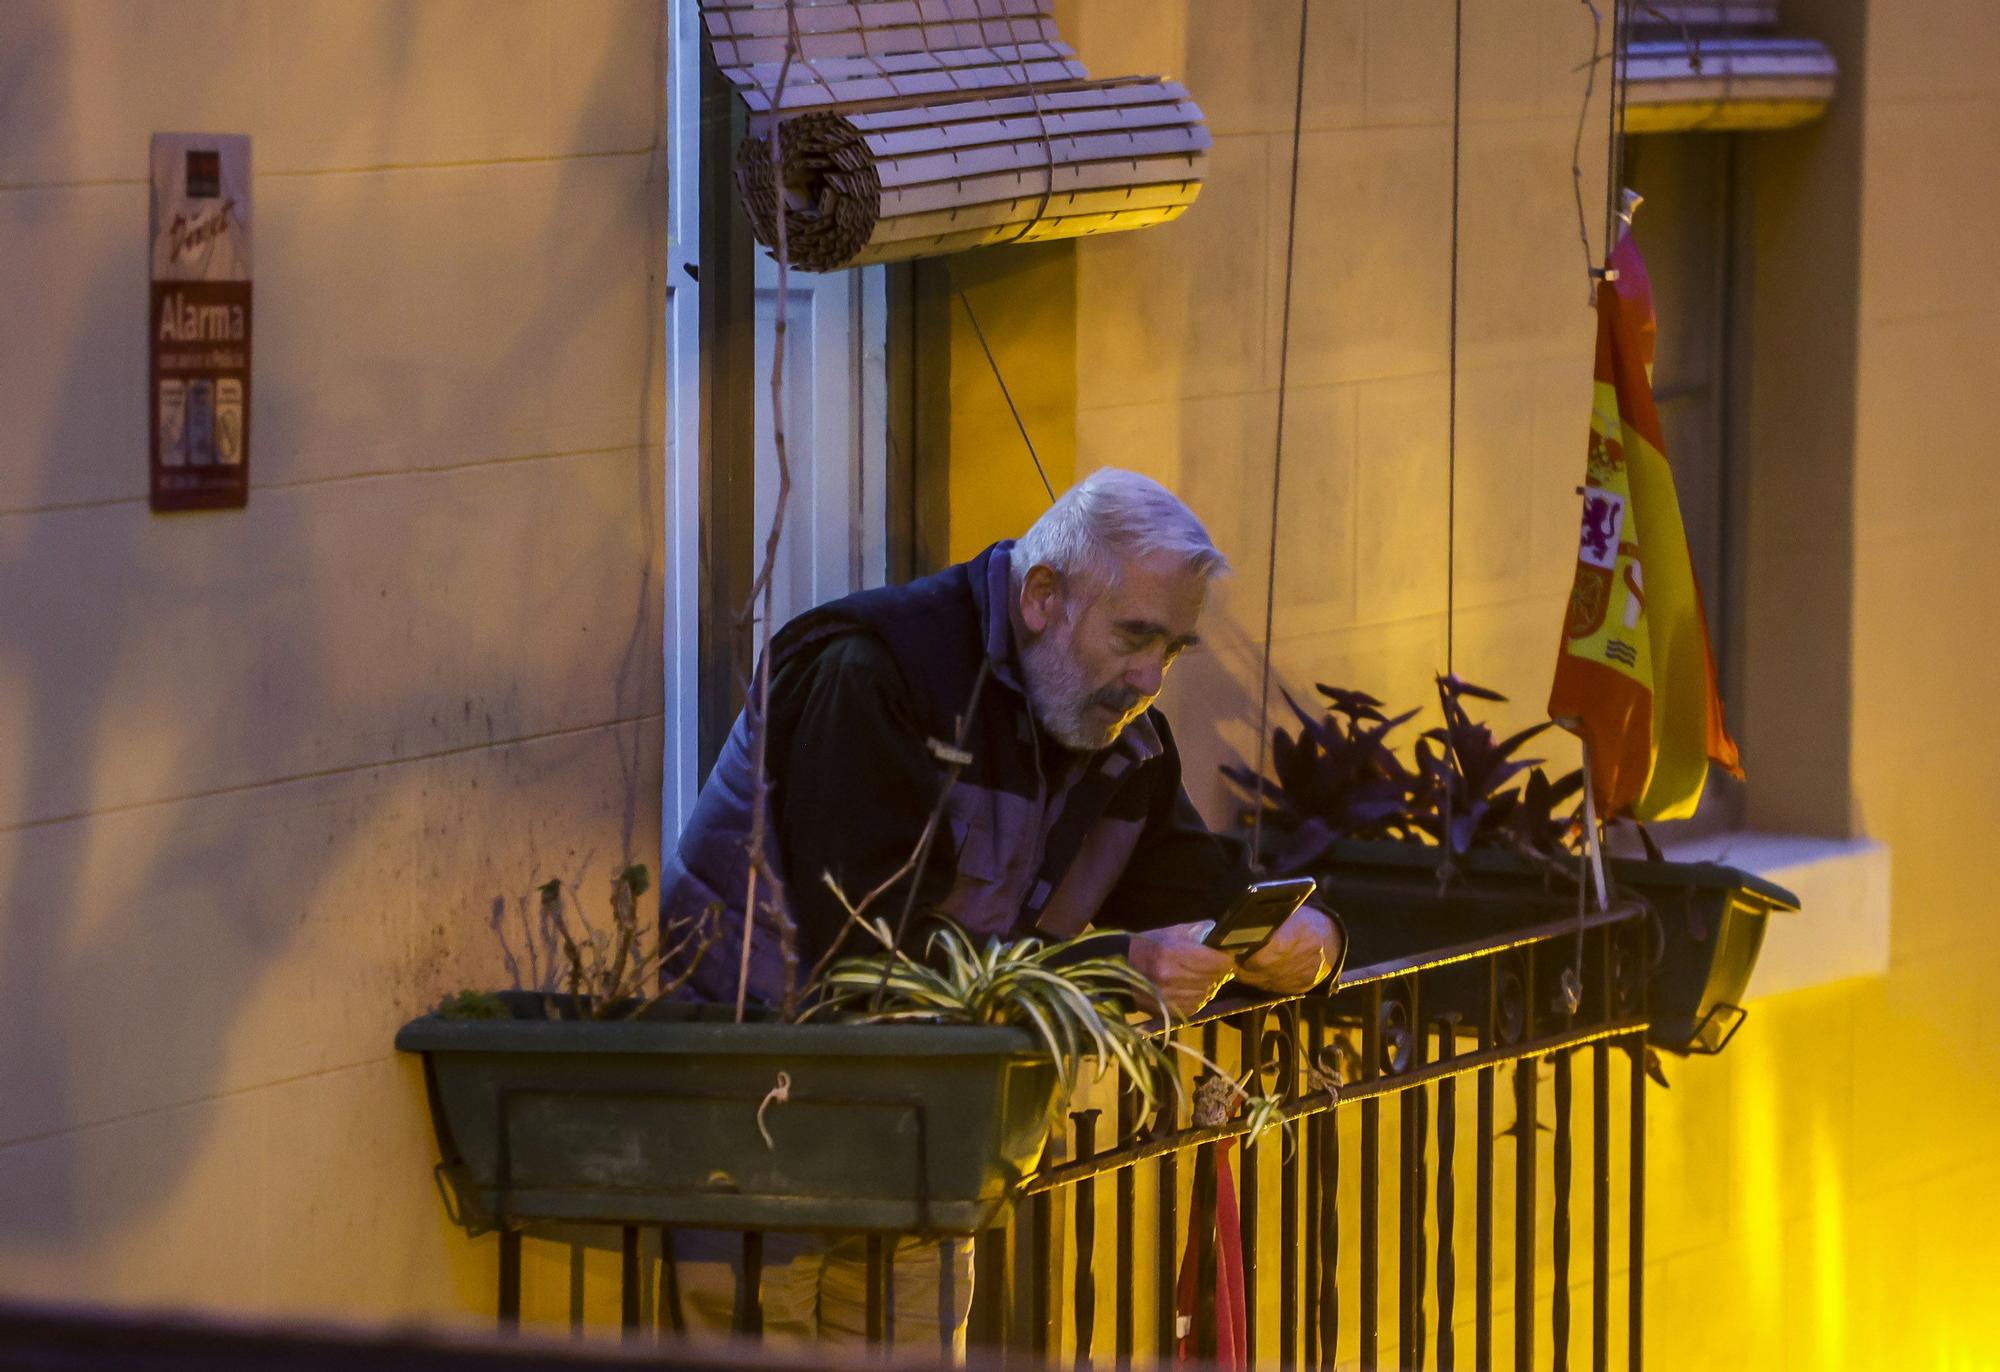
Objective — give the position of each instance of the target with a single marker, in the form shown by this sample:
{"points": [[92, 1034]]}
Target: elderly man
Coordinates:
{"points": [[1071, 813]]}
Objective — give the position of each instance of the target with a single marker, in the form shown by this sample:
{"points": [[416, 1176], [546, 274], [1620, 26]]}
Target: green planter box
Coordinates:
{"points": [[1709, 921], [903, 1128]]}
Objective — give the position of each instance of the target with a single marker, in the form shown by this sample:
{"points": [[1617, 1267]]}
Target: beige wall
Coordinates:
{"points": [[1821, 1195], [1178, 340], [266, 776]]}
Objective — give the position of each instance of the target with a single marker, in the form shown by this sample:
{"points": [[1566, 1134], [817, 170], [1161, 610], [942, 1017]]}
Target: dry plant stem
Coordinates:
{"points": [[553, 915], [686, 954], [625, 921], [761, 588], [606, 985]]}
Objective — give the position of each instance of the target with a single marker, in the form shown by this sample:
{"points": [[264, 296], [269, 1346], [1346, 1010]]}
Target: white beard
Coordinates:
{"points": [[1062, 699]]}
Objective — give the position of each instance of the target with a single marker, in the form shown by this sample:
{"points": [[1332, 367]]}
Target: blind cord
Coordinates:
{"points": [[1278, 453]]}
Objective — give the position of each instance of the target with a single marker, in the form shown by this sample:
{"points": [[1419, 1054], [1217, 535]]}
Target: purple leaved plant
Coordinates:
{"points": [[1338, 777]]}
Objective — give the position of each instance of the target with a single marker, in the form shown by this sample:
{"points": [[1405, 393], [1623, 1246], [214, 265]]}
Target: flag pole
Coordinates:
{"points": [[1593, 845]]}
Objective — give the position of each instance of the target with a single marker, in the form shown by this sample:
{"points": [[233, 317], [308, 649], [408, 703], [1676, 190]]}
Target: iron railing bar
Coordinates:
{"points": [[510, 1279], [1636, 1237], [1482, 1220], [890, 1242], [1084, 1293], [987, 1322], [1225, 1005], [1600, 1207], [1309, 1151], [1203, 1235], [1525, 1124], [1319, 1101], [1124, 1199], [1410, 1196], [628, 1280], [1205, 1232], [1447, 1199], [1566, 927], [1250, 1044], [1418, 1102], [1371, 1179], [1559, 1279], [1166, 1195], [947, 1310], [668, 1305], [748, 1320], [1329, 1199], [1290, 1161], [1038, 1289]]}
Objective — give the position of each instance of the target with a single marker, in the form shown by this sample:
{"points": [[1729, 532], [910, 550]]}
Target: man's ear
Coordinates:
{"points": [[1041, 598]]}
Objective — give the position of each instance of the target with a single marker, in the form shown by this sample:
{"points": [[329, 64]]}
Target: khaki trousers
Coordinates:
{"points": [[814, 1288]]}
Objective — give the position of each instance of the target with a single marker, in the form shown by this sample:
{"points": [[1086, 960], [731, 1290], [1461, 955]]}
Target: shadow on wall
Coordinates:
{"points": [[1213, 710], [273, 767]]}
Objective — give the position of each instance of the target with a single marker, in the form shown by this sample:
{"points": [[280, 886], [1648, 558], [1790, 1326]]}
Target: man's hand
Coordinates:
{"points": [[1175, 960], [1297, 956]]}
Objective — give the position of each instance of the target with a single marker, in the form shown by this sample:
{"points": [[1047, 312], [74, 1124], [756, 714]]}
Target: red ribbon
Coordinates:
{"points": [[1232, 1341]]}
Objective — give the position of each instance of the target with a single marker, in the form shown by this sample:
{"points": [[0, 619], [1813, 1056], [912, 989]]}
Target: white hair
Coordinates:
{"points": [[1109, 517]]}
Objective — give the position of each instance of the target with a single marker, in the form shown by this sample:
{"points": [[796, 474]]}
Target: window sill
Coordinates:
{"points": [[1842, 928]]}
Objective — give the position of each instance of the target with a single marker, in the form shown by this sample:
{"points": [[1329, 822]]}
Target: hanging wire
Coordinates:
{"points": [[1451, 408], [1576, 148], [1621, 89], [1278, 451], [1445, 864], [1048, 148], [1012, 408], [1613, 127]]}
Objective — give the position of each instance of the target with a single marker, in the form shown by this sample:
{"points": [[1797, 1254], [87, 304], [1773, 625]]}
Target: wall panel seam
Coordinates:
{"points": [[359, 169], [384, 473], [382, 764], [208, 1098]]}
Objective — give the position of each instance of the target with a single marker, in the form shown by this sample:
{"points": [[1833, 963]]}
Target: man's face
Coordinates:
{"points": [[1095, 658]]}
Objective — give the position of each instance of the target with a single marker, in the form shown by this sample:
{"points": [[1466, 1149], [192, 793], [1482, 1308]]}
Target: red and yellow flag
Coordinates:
{"points": [[1635, 679]]}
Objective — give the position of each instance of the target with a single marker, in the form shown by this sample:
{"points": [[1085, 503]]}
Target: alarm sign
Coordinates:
{"points": [[199, 324]]}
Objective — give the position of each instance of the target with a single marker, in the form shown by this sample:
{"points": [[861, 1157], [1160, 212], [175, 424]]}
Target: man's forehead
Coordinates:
{"points": [[1160, 589]]}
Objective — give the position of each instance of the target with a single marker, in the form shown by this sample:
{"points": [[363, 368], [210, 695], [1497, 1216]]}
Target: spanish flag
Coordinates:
{"points": [[1635, 679]]}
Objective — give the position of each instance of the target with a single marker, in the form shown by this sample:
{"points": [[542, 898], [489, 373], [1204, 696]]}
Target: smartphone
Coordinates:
{"points": [[1249, 923]]}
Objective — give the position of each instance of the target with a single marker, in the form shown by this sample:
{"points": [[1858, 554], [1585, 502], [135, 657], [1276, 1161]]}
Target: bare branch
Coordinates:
{"points": [[762, 585]]}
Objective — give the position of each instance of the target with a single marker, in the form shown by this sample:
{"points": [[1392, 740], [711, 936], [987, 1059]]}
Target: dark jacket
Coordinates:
{"points": [[1037, 838]]}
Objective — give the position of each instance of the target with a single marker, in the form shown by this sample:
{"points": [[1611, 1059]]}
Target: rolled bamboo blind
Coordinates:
{"points": [[909, 128]]}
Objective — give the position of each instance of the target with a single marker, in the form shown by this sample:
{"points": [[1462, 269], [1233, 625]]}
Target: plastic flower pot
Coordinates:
{"points": [[895, 1128], [1707, 921]]}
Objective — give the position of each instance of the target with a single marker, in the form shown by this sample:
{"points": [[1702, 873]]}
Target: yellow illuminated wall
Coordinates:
{"points": [[1024, 300], [1821, 1196]]}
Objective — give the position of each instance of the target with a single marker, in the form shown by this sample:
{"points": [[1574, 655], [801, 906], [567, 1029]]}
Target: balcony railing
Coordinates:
{"points": [[1342, 1264]]}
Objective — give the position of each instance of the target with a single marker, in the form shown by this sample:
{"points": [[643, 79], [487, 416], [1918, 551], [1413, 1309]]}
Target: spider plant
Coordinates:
{"points": [[1076, 1004], [1079, 1005]]}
